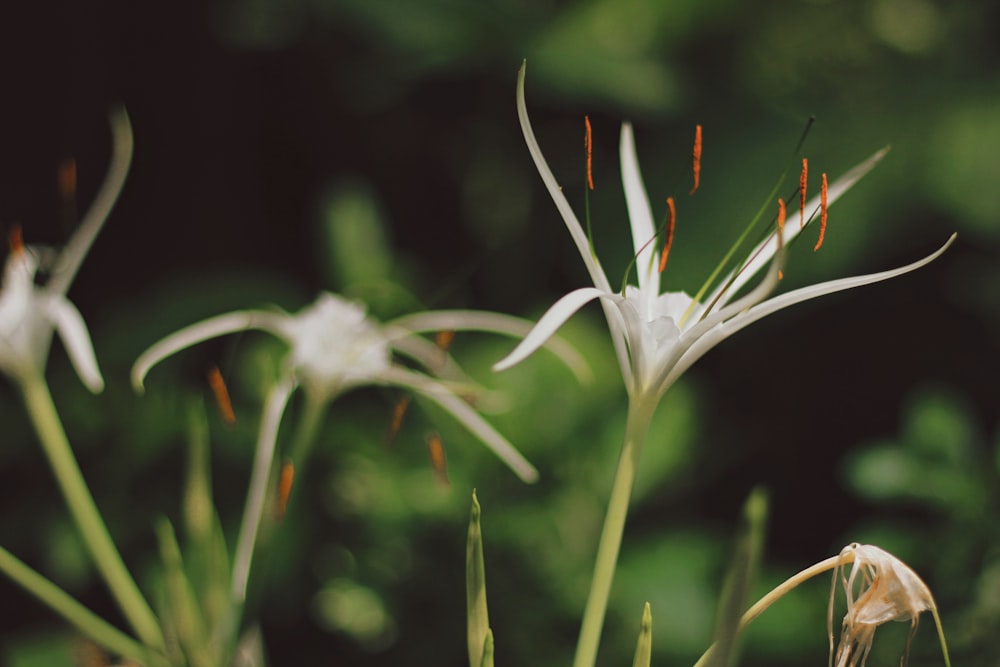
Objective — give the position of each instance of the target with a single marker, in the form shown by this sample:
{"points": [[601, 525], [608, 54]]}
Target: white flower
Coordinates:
{"points": [[879, 588], [335, 346], [30, 313], [658, 336]]}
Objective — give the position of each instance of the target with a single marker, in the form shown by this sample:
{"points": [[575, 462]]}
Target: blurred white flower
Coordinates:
{"points": [[29, 312], [334, 346], [657, 336]]}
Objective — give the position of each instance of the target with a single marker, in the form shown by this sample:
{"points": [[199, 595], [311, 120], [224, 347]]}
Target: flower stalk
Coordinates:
{"points": [[640, 415], [97, 539]]}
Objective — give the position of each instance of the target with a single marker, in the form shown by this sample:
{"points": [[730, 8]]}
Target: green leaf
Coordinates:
{"points": [[475, 590], [487, 660], [644, 646], [739, 580], [182, 605]]}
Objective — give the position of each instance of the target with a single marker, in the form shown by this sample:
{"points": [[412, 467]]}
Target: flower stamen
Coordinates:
{"points": [[15, 238], [396, 422], [671, 223], [803, 178], [439, 462], [221, 394], [285, 480], [781, 229], [588, 142], [822, 213], [696, 161]]}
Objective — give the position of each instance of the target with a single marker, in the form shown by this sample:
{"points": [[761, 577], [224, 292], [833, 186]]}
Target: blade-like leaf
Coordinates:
{"points": [[739, 580], [644, 646], [487, 660], [475, 590]]}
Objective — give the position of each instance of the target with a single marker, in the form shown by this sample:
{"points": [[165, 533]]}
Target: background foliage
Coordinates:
{"points": [[372, 148]]}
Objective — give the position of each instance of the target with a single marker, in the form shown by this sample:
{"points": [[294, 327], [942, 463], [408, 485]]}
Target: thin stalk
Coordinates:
{"points": [[640, 414], [84, 620], [84, 511], [274, 407], [778, 591], [305, 432]]}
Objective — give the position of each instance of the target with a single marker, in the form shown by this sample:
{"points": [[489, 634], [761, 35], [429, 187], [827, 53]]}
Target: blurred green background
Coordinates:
{"points": [[371, 147]]}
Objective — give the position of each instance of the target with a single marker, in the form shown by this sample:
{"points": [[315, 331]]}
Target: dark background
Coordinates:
{"points": [[262, 127]]}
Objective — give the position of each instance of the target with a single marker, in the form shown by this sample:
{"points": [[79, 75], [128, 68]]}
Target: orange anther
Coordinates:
{"points": [[435, 448], [822, 212], [696, 162], [671, 223], [803, 177], [396, 422], [443, 339], [66, 176], [781, 230], [16, 240], [221, 394], [588, 141], [285, 481]]}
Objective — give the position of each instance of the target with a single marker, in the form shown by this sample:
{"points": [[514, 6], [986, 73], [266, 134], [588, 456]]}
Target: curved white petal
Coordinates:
{"points": [[550, 322], [477, 320], [764, 251], [469, 418], [429, 355], [722, 331], [73, 333], [640, 218], [575, 230], [267, 437], [204, 330], [76, 249]]}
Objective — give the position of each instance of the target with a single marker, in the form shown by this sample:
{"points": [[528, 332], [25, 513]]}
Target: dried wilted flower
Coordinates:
{"points": [[879, 588]]}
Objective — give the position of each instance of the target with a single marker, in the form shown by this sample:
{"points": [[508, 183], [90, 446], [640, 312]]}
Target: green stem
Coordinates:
{"points": [[75, 613], [84, 511], [640, 414], [779, 591], [305, 433]]}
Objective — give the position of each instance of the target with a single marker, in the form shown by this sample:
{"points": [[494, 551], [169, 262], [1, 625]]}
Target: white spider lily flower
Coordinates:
{"points": [[335, 346], [657, 336], [879, 588], [31, 313]]}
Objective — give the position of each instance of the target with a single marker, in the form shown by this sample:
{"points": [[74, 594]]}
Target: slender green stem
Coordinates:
{"points": [[274, 408], [778, 591], [305, 433], [639, 416], [85, 513], [75, 613]]}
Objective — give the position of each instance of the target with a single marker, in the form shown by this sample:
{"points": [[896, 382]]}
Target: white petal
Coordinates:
{"points": [[575, 230], [73, 332], [204, 330], [549, 323], [469, 418], [71, 257], [274, 408], [764, 251], [477, 320], [640, 217], [726, 329]]}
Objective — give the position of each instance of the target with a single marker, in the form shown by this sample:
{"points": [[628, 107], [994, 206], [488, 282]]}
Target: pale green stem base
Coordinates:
{"points": [[305, 433], [85, 513], [84, 620], [639, 416]]}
